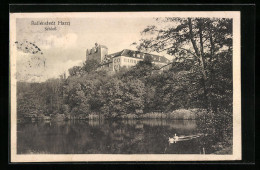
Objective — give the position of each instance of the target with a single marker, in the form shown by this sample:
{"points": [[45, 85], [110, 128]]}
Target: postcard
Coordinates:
{"points": [[125, 86]]}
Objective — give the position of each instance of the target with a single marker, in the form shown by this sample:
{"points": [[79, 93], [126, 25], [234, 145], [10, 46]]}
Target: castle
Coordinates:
{"points": [[125, 58]]}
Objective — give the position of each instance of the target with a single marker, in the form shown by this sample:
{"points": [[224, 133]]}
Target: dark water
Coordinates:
{"points": [[109, 137]]}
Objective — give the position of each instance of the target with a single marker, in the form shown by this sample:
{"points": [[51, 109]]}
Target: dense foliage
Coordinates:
{"points": [[200, 77], [202, 66]]}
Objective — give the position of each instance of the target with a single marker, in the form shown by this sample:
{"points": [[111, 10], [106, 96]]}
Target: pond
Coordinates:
{"points": [[146, 136]]}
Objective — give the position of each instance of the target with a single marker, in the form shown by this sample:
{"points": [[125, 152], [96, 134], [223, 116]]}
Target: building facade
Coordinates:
{"points": [[125, 58]]}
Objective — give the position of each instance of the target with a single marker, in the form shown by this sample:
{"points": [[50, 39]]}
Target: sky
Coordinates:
{"points": [[66, 47]]}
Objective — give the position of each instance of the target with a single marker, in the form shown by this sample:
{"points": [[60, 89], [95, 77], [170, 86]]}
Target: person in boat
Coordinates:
{"points": [[171, 140], [174, 139]]}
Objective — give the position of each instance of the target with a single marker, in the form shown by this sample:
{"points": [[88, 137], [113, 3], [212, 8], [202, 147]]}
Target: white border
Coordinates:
{"points": [[237, 155]]}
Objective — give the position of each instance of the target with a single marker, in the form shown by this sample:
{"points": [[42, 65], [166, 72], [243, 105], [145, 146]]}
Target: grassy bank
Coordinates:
{"points": [[92, 116], [180, 114]]}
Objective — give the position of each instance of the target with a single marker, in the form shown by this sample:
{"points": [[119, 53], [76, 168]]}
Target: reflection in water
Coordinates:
{"points": [[148, 136], [96, 122]]}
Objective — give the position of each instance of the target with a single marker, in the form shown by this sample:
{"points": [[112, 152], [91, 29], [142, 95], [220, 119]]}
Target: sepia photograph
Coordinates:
{"points": [[125, 86]]}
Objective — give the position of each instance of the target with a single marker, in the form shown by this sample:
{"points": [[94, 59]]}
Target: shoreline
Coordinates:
{"points": [[180, 114], [112, 119]]}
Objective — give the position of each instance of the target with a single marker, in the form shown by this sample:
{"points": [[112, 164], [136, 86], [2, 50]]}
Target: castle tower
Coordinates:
{"points": [[97, 53]]}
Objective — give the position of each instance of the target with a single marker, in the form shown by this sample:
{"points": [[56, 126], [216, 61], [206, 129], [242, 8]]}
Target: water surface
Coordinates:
{"points": [[147, 136]]}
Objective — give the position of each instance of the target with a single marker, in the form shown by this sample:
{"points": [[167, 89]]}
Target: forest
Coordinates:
{"points": [[200, 77]]}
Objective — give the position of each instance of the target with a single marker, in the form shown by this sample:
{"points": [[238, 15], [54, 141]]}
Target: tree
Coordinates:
{"points": [[90, 65], [53, 95], [200, 40], [142, 69], [133, 98], [112, 97], [74, 71]]}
